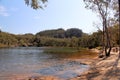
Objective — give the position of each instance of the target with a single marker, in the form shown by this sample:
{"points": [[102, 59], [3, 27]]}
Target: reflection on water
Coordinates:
{"points": [[33, 60]]}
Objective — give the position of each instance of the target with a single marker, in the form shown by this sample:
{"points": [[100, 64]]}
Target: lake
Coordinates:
{"points": [[32, 60]]}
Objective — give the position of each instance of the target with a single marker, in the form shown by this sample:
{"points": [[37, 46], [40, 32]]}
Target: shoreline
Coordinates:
{"points": [[103, 69], [49, 77], [100, 69], [85, 60]]}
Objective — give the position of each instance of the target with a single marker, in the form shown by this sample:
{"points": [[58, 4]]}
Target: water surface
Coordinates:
{"points": [[30, 60]]}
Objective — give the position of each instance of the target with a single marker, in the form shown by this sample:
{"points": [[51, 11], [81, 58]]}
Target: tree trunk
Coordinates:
{"points": [[108, 44]]}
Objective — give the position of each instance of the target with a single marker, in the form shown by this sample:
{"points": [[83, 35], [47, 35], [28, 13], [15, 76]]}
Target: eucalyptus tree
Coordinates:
{"points": [[36, 4], [103, 10], [115, 7]]}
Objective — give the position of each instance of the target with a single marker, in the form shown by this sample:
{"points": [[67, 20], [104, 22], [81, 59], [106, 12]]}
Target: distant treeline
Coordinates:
{"points": [[58, 38]]}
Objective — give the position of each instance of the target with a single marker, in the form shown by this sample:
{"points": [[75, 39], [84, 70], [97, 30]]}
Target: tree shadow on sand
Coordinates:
{"points": [[111, 70], [114, 72]]}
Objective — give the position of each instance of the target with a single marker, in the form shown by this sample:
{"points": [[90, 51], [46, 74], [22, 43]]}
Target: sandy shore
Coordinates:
{"points": [[103, 69]]}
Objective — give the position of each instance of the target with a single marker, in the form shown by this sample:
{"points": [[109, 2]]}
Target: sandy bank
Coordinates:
{"points": [[103, 69]]}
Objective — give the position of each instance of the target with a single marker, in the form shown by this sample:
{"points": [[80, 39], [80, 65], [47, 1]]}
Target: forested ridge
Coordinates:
{"points": [[72, 37]]}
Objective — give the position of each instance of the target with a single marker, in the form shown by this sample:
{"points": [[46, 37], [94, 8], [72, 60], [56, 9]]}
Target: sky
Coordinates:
{"points": [[18, 18]]}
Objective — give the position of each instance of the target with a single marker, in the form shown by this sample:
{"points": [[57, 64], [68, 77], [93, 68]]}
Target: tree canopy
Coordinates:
{"points": [[36, 4], [58, 39], [103, 9]]}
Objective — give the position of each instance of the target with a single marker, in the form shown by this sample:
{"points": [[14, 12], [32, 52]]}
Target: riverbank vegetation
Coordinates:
{"points": [[73, 37]]}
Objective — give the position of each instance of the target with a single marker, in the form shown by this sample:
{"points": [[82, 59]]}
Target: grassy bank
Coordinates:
{"points": [[68, 52]]}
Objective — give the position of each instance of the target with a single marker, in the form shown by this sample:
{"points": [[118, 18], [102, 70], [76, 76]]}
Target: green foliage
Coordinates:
{"points": [[49, 41], [7, 39], [25, 40], [95, 39], [114, 34], [47, 38]]}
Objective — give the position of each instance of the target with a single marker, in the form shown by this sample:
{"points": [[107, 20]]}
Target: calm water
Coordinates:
{"points": [[16, 61]]}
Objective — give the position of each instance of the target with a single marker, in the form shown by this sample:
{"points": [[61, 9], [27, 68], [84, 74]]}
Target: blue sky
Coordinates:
{"points": [[17, 18]]}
